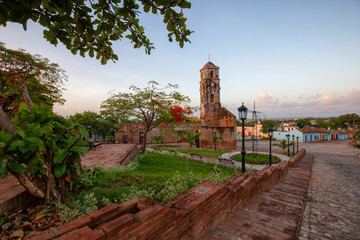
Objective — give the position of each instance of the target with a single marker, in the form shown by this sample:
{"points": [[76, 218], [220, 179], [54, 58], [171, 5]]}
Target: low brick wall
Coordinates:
{"points": [[188, 216], [129, 155]]}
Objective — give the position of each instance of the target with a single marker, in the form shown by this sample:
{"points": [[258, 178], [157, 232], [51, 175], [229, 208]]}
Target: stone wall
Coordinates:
{"points": [[188, 216]]}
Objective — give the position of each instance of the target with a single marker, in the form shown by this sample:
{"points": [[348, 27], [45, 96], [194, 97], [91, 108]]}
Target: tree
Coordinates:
{"points": [[215, 138], [266, 124], [283, 145], [43, 152], [322, 124], [302, 122], [157, 139], [93, 26], [28, 77], [151, 106]]}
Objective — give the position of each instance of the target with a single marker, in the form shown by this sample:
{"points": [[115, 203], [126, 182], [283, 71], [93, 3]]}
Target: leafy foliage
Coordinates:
{"points": [[266, 124], [151, 106], [99, 125], [45, 148], [44, 80], [93, 26], [283, 144]]}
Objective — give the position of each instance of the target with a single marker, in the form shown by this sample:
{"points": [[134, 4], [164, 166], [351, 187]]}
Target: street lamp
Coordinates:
{"points": [[293, 138], [288, 138], [297, 144], [271, 134], [242, 116], [89, 129]]}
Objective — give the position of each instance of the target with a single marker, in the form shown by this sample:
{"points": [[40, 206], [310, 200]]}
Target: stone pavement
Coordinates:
{"points": [[13, 195], [334, 209], [274, 214]]}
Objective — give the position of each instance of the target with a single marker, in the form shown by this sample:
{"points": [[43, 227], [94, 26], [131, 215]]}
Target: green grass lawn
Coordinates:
{"points": [[160, 177], [256, 159], [286, 154], [204, 153]]}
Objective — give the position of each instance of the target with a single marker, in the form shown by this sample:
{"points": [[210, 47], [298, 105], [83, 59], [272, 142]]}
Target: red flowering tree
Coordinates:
{"points": [[152, 106], [28, 78]]}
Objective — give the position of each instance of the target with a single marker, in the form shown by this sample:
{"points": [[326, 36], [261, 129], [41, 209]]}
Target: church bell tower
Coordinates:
{"points": [[209, 89]]}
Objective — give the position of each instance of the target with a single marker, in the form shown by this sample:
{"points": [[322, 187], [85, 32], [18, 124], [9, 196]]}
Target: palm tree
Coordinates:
{"points": [[215, 138], [283, 145]]}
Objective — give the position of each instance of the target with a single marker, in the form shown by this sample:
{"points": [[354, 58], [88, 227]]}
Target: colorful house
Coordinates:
{"points": [[343, 135], [310, 134], [282, 135]]}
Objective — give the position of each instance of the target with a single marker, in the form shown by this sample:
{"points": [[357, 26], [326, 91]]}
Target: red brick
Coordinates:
{"points": [[104, 214], [78, 223], [48, 234], [144, 227], [93, 235], [118, 224], [76, 234]]}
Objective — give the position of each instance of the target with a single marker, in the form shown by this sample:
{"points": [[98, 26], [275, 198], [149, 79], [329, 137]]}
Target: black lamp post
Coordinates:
{"points": [[297, 144], [242, 116], [288, 138], [89, 129], [293, 138], [271, 134]]}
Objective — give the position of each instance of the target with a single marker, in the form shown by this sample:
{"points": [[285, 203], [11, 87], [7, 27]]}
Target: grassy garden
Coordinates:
{"points": [[256, 158], [160, 177], [205, 153]]}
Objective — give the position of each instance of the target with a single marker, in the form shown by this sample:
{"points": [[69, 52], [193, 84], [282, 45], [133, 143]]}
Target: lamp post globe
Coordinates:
{"points": [[242, 110], [271, 134]]}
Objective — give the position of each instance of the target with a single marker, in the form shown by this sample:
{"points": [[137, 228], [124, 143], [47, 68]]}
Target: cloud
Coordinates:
{"points": [[353, 96], [329, 99], [264, 100]]}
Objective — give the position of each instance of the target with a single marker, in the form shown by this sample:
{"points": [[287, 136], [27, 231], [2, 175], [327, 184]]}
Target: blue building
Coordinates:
{"points": [[343, 136], [282, 135], [310, 134]]}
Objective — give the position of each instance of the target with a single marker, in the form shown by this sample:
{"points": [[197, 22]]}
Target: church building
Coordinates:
{"points": [[214, 118]]}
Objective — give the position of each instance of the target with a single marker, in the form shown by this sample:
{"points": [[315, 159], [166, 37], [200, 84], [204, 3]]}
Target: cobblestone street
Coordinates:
{"points": [[333, 207]]}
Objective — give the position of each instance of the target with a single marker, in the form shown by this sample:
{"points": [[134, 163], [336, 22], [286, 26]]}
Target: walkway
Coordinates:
{"points": [[334, 209], [274, 214], [13, 196]]}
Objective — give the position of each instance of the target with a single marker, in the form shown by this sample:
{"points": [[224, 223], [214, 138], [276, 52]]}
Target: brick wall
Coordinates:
{"points": [[188, 216]]}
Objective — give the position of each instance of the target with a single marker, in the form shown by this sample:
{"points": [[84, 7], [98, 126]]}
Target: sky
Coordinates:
{"points": [[293, 58]]}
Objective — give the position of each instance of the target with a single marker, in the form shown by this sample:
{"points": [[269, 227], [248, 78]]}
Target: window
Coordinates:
{"points": [[211, 74], [212, 98]]}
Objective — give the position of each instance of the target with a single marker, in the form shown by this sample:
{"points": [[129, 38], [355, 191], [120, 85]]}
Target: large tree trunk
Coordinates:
{"points": [[24, 91], [5, 122], [26, 182], [144, 142]]}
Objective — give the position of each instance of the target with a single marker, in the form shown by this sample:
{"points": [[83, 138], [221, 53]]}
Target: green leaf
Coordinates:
{"points": [[23, 106], [78, 149], [5, 136], [146, 7], [154, 10], [2, 144], [20, 132], [83, 131], [60, 170], [42, 170], [32, 169], [2, 221], [35, 140], [60, 155], [15, 166], [14, 145]]}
